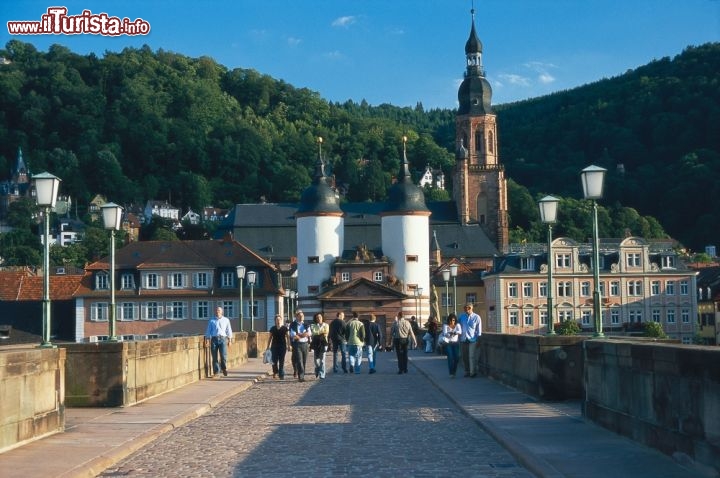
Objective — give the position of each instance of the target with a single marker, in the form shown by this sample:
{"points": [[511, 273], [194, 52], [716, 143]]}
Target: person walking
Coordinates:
{"points": [[432, 329], [355, 336], [218, 334], [319, 344], [471, 325], [403, 338], [450, 334], [373, 341], [300, 336], [415, 327], [278, 343], [339, 342]]}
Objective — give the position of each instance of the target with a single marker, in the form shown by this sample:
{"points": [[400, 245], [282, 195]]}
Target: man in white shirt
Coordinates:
{"points": [[218, 334]]}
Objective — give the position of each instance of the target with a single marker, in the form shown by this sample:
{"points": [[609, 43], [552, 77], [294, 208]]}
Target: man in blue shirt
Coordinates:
{"points": [[300, 335], [219, 334], [471, 330]]}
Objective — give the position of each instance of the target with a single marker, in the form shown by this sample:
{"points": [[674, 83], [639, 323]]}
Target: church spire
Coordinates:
{"points": [[475, 93]]}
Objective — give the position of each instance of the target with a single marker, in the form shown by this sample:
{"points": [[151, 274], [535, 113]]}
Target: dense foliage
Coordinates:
{"points": [[139, 125], [654, 128]]}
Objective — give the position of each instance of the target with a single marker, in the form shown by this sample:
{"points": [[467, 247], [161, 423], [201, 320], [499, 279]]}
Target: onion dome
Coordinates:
{"points": [[404, 195], [320, 197]]}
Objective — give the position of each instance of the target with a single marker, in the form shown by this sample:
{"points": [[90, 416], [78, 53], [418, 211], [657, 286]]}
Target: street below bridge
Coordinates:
{"points": [[384, 424]]}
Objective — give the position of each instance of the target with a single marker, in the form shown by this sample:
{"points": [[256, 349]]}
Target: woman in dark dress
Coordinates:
{"points": [[278, 343]]}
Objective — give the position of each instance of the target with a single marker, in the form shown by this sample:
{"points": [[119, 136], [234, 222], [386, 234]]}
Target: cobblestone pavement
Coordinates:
{"points": [[380, 425]]}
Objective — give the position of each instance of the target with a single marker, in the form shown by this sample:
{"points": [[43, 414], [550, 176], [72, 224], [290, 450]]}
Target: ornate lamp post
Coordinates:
{"points": [[446, 278], [46, 190], [240, 275], [593, 178], [252, 277], [287, 304], [548, 215], [453, 273], [112, 215]]}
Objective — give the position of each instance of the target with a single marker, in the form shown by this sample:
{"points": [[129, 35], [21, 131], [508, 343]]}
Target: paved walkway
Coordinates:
{"points": [[536, 438]]}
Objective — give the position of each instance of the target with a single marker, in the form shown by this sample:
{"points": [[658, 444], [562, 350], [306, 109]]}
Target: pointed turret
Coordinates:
{"points": [[405, 234], [319, 197], [404, 196]]}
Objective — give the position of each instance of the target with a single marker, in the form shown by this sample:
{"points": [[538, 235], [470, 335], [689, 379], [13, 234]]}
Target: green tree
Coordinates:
{"points": [[96, 241], [21, 213]]}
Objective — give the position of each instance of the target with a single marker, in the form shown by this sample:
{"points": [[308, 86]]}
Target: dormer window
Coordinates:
{"points": [[668, 262], [127, 282], [101, 281], [527, 263], [632, 259]]}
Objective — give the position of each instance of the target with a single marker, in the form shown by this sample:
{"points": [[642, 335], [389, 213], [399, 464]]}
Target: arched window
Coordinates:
{"points": [[479, 140]]}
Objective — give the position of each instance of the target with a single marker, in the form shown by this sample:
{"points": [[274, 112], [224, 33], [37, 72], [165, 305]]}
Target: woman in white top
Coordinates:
{"points": [[450, 335]]}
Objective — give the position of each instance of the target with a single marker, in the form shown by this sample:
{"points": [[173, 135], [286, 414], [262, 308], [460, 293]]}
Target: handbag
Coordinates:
{"points": [[443, 339], [267, 356]]}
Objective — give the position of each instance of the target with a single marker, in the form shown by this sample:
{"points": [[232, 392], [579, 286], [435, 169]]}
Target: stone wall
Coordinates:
{"points": [[548, 367], [113, 374], [31, 394], [666, 396]]}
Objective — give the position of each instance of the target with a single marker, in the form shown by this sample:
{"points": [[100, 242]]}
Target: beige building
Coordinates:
{"points": [[640, 281]]}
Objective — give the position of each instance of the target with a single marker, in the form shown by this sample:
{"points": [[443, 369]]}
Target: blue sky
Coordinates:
{"points": [[402, 51]]}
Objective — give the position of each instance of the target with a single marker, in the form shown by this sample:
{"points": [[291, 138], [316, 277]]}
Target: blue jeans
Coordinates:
{"points": [[319, 358], [370, 351], [355, 353], [342, 347], [218, 346], [453, 355]]}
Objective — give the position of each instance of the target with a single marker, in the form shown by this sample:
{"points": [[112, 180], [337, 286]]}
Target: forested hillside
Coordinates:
{"points": [[138, 125], [656, 129]]}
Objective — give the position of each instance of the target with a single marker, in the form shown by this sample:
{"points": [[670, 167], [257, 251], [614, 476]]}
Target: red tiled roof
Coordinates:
{"points": [[28, 286]]}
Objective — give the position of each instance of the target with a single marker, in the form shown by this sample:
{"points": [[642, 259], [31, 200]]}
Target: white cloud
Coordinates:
{"points": [[344, 22], [292, 41], [542, 70], [333, 55], [546, 78], [513, 79]]}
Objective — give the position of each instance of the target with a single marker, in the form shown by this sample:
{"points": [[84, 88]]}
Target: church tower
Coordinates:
{"points": [[479, 184], [405, 236], [320, 236]]}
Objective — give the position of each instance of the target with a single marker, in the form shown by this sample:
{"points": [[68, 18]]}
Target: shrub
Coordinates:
{"points": [[654, 329], [568, 327]]}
